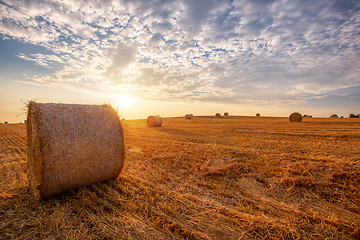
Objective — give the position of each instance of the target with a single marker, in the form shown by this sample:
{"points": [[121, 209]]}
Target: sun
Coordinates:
{"points": [[124, 101]]}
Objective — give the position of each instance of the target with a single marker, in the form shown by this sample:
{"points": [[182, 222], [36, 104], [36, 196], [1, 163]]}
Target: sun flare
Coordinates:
{"points": [[124, 101]]}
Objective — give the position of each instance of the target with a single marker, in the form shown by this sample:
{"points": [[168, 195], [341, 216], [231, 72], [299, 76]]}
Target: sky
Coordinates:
{"points": [[173, 57]]}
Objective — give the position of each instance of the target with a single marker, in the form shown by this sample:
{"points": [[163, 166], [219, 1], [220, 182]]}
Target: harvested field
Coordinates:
{"points": [[209, 178]]}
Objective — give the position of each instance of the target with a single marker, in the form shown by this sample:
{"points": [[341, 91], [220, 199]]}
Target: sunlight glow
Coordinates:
{"points": [[124, 101]]}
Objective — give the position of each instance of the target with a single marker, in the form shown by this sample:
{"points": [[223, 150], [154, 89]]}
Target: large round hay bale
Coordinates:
{"points": [[258, 115], [187, 116], [295, 117], [154, 121], [71, 145], [226, 114], [217, 115]]}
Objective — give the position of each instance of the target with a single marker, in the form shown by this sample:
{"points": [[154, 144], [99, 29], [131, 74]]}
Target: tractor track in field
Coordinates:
{"points": [[12, 138], [12, 159]]}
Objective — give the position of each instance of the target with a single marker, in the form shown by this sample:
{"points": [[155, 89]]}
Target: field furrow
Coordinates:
{"points": [[12, 161]]}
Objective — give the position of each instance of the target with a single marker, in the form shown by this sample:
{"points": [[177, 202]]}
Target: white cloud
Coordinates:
{"points": [[234, 51]]}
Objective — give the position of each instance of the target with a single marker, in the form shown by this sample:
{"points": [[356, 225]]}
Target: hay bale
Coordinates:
{"points": [[71, 145], [258, 115], [226, 114], [154, 121], [217, 115], [188, 116], [295, 117], [191, 115]]}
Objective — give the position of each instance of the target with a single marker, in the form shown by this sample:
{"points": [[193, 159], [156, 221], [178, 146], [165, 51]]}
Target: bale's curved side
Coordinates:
{"points": [[154, 121], [295, 117], [71, 145]]}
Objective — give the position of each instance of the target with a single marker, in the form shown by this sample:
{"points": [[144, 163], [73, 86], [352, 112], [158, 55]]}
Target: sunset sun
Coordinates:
{"points": [[124, 101]]}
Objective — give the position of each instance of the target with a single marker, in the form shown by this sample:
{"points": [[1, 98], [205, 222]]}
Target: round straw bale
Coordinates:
{"points": [[72, 145], [226, 114], [154, 121], [191, 115], [295, 117], [217, 115], [188, 116], [258, 115]]}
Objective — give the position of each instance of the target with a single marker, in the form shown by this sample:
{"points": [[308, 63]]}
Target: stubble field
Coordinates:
{"points": [[204, 178]]}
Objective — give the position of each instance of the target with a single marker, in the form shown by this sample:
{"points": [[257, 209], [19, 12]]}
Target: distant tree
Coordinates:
{"points": [[306, 115], [354, 116]]}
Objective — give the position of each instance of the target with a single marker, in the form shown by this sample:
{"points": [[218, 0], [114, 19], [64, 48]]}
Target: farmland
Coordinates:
{"points": [[204, 178]]}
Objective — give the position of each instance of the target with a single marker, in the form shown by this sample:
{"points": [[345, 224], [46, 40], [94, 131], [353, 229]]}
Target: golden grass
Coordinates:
{"points": [[210, 178]]}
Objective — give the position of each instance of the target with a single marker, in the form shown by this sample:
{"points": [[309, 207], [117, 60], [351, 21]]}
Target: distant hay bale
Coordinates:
{"points": [[188, 116], [258, 115], [226, 114], [217, 115], [154, 121], [5, 122], [295, 117], [72, 145]]}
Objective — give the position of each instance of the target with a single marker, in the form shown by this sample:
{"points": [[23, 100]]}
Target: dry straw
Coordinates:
{"points": [[72, 145], [217, 115], [154, 121], [258, 115], [295, 117], [226, 114], [188, 116]]}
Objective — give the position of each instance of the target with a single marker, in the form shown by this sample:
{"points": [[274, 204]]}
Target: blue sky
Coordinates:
{"points": [[169, 56]]}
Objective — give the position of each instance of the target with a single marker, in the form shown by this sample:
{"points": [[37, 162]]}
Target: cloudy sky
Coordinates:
{"points": [[173, 57]]}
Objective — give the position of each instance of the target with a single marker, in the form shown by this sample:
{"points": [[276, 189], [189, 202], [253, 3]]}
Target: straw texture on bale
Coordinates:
{"points": [[71, 145], [226, 114], [217, 115], [295, 117], [188, 116], [154, 121]]}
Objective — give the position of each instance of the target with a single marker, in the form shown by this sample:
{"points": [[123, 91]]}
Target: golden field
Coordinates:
{"points": [[204, 178]]}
